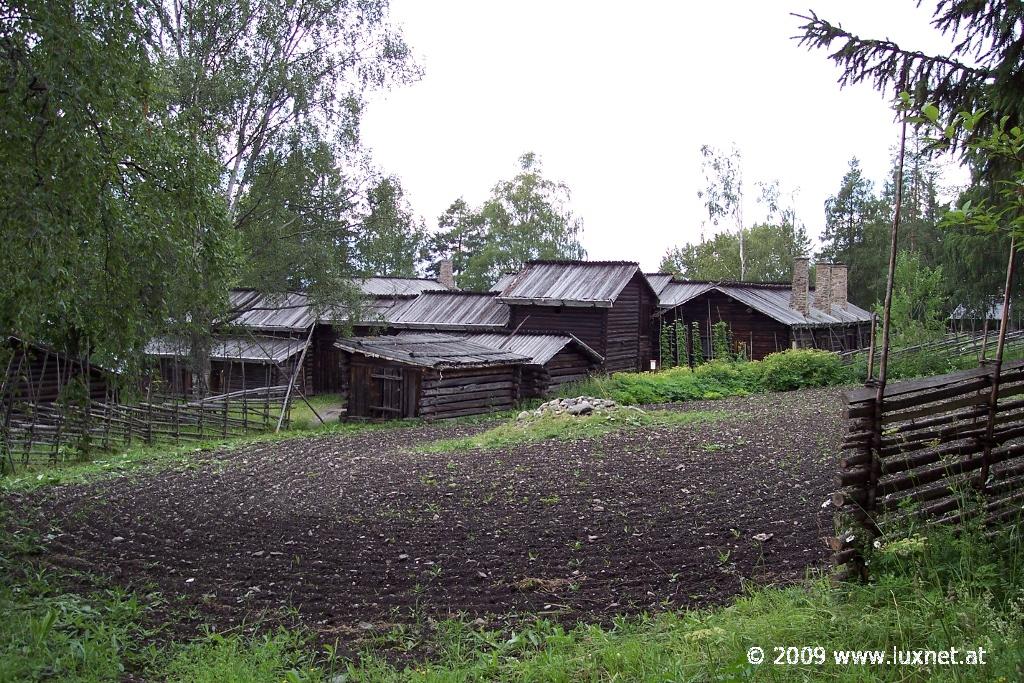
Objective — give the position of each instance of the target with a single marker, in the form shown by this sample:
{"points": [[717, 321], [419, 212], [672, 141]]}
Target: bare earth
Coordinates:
{"points": [[357, 533]]}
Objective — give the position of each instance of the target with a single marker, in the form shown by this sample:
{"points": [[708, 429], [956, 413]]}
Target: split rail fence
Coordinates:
{"points": [[35, 433], [938, 450]]}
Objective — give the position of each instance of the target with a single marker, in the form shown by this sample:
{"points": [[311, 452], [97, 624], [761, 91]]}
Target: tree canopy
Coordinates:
{"points": [[526, 217]]}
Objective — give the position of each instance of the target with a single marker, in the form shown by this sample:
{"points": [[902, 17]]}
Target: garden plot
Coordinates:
{"points": [[356, 533]]}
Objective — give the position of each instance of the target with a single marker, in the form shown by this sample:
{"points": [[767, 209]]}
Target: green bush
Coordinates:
{"points": [[719, 378], [802, 368]]}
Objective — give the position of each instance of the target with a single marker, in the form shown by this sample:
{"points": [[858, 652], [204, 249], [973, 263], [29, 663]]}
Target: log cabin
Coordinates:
{"points": [[766, 317], [554, 360], [427, 375], [37, 373], [608, 305]]}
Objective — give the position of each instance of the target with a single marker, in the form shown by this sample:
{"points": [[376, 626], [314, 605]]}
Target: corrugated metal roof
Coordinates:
{"points": [[658, 280], [450, 310], [677, 293], [770, 300], [504, 281], [250, 348], [289, 311], [539, 348], [994, 312], [570, 283], [383, 297], [396, 286], [431, 351]]}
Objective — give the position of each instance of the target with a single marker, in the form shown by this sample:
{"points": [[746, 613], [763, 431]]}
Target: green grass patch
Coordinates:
{"points": [[303, 417], [567, 428]]}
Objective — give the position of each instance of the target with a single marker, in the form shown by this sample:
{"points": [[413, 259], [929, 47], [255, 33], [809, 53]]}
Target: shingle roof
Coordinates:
{"points": [[250, 348], [504, 281], [452, 310], [431, 351], [539, 348], [771, 300], [569, 283]]}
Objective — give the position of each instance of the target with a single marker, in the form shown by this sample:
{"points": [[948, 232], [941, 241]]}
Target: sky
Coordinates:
{"points": [[617, 100]]}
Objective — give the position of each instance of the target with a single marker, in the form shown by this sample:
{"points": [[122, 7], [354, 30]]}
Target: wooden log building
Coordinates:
{"points": [[554, 360], [608, 305], [37, 373], [427, 375], [236, 363], [764, 318]]}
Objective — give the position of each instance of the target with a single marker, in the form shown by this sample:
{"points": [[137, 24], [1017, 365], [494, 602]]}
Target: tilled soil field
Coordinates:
{"points": [[356, 533]]}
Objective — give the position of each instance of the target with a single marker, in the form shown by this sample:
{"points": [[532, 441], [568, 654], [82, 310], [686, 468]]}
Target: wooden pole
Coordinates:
{"points": [[997, 366], [291, 381]]}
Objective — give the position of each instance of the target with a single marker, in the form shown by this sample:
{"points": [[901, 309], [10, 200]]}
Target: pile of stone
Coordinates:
{"points": [[581, 405]]}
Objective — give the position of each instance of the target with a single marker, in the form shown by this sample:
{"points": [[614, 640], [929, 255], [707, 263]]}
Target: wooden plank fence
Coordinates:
{"points": [[938, 450], [33, 433]]}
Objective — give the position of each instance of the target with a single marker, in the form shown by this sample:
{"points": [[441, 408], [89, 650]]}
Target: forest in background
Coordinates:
{"points": [[158, 154]]}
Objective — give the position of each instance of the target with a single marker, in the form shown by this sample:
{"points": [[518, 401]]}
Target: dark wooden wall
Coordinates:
{"points": [[371, 396], [624, 334], [453, 393], [589, 324], [837, 338], [629, 336], [323, 362], [567, 366], [38, 375], [760, 334], [228, 376]]}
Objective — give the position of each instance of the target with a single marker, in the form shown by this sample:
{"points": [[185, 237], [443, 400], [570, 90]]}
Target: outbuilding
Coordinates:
{"points": [[427, 375]]}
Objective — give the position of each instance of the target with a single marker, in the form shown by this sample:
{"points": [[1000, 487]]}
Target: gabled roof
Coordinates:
{"points": [[248, 348], [539, 348], [452, 310], [570, 283], [658, 280], [770, 299], [431, 351]]}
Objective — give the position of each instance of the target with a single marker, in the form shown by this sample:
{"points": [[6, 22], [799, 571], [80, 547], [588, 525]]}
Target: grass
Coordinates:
{"points": [[567, 428], [303, 417]]}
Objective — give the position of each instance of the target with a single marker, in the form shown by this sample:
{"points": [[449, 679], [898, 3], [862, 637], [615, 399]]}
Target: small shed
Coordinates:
{"points": [[554, 359], [37, 373], [236, 362], [427, 375]]}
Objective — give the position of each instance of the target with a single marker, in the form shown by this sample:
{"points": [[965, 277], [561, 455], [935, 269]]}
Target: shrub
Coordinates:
{"points": [[719, 378], [802, 368]]}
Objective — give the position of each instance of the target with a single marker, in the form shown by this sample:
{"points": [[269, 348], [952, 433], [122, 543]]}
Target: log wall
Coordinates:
{"points": [[588, 324], [759, 334], [453, 393], [566, 367], [38, 375]]}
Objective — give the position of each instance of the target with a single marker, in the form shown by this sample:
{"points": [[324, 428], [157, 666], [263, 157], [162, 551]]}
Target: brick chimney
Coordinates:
{"points": [[823, 287], [798, 299], [839, 277], [446, 273]]}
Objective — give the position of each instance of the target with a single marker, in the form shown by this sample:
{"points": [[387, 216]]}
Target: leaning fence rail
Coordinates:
{"points": [[939, 451], [34, 433]]}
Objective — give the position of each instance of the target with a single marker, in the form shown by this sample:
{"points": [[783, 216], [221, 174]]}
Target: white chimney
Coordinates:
{"points": [[446, 273], [798, 298]]}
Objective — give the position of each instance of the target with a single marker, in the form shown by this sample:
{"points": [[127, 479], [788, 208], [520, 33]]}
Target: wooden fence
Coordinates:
{"points": [[953, 345], [936, 451], [32, 433]]}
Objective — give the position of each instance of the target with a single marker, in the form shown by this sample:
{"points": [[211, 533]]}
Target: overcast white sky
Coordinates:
{"points": [[617, 99]]}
